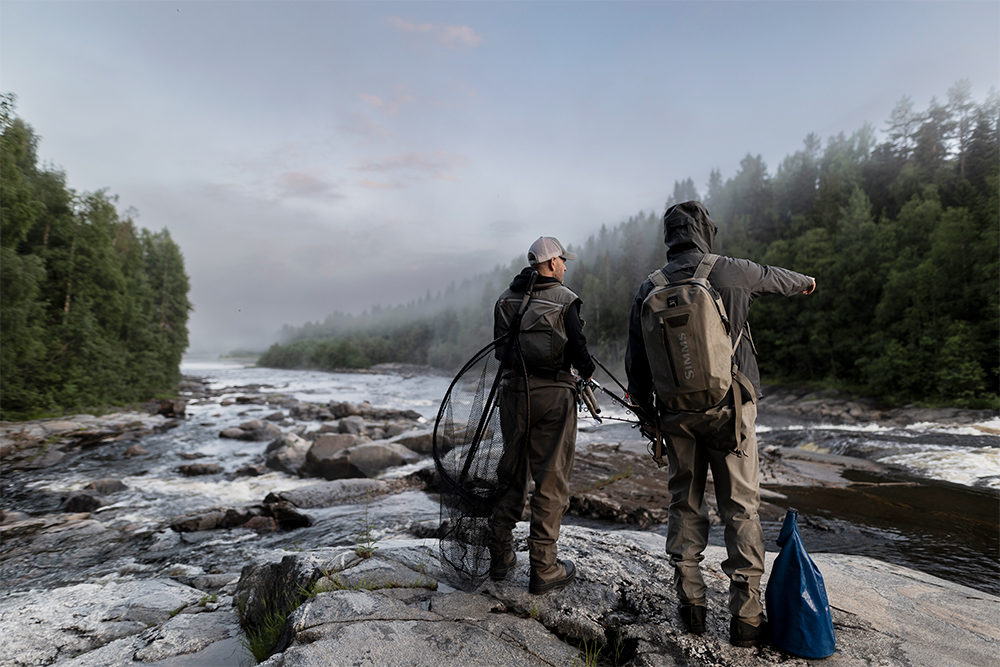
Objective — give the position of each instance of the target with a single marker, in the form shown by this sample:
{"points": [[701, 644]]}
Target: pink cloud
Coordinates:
{"points": [[438, 164], [449, 36]]}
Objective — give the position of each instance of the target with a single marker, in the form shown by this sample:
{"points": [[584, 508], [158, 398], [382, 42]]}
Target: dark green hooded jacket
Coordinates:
{"points": [[689, 233]]}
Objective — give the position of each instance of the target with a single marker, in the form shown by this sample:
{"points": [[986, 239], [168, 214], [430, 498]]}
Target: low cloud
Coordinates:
{"points": [[364, 126], [448, 36], [390, 107], [439, 164], [305, 185]]}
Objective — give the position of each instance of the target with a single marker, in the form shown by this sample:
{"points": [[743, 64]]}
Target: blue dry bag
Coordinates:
{"points": [[797, 608]]}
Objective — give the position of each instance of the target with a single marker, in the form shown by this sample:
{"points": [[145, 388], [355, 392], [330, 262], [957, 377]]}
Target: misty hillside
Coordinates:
{"points": [[901, 236]]}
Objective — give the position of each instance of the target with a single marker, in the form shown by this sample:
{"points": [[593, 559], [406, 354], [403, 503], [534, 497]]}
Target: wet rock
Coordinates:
{"points": [[83, 501], [42, 627], [135, 450], [191, 456], [107, 486], [195, 469], [375, 457], [354, 425], [275, 416], [328, 494], [172, 408], [251, 470], [326, 458], [287, 516], [255, 430], [419, 441], [261, 524], [8, 516], [197, 522], [287, 453]]}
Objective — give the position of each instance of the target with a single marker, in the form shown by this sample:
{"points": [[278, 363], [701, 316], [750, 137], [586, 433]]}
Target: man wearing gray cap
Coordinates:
{"points": [[551, 340]]}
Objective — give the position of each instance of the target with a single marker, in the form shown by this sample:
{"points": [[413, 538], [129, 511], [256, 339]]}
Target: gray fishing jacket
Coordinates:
{"points": [[689, 233]]}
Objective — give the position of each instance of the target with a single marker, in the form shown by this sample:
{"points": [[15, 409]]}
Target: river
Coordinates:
{"points": [[907, 516]]}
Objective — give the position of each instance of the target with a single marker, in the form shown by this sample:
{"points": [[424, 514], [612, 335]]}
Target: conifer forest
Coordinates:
{"points": [[93, 309], [901, 236]]}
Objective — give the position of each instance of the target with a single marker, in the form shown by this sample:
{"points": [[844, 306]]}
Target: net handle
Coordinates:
{"points": [[515, 328]]}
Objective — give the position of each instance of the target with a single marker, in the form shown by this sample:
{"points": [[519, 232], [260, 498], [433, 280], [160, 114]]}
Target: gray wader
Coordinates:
{"points": [[696, 442], [549, 462]]}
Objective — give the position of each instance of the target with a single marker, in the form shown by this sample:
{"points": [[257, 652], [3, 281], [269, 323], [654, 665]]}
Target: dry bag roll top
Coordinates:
{"points": [[797, 606]]}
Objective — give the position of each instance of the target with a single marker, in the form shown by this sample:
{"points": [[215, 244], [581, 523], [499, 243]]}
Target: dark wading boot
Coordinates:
{"points": [[693, 618], [536, 586], [500, 565], [745, 635]]}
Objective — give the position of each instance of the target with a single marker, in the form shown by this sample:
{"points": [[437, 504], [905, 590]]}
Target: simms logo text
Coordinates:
{"points": [[686, 356]]}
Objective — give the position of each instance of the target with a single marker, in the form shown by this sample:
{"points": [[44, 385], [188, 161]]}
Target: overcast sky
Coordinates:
{"points": [[318, 156]]}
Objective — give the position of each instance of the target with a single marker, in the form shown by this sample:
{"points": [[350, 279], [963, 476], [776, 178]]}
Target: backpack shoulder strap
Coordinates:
{"points": [[658, 279], [705, 267]]}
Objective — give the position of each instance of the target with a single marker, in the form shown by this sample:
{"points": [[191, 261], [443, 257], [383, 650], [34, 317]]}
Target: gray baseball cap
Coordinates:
{"points": [[547, 247]]}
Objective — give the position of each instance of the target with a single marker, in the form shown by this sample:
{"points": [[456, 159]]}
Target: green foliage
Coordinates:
{"points": [[92, 311], [902, 237]]}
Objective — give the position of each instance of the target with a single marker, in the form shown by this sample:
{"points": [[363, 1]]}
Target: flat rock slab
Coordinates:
{"points": [[39, 628], [622, 604]]}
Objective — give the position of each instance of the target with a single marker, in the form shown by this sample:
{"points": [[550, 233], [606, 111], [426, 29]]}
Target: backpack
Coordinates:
{"points": [[686, 333]]}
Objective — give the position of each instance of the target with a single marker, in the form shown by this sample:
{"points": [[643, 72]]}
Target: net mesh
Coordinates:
{"points": [[474, 459]]}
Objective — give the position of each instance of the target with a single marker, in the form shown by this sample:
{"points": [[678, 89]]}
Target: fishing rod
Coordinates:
{"points": [[648, 426]]}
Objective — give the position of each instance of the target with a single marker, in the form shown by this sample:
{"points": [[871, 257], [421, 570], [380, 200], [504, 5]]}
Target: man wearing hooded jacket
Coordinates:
{"points": [[697, 441], [552, 341]]}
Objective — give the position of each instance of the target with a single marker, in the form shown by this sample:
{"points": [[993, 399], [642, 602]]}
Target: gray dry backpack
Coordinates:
{"points": [[687, 337]]}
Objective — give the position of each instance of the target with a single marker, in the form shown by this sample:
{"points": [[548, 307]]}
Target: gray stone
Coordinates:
{"points": [[419, 441], [374, 457], [287, 453], [195, 469], [355, 425], [83, 501], [107, 486], [197, 522], [42, 627], [327, 494]]}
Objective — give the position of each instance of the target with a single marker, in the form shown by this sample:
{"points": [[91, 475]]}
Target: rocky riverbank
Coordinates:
{"points": [[399, 607], [62, 604]]}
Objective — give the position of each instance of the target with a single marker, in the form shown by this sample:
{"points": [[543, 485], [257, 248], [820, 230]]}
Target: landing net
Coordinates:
{"points": [[475, 461]]}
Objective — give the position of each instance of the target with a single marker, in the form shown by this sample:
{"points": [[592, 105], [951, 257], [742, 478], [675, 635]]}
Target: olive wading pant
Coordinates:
{"points": [[549, 462], [694, 442]]}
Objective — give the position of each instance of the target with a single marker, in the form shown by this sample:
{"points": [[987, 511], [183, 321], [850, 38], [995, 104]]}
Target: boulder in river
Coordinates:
{"points": [[328, 494], [287, 453], [172, 408], [107, 486], [354, 425], [87, 500], [195, 469], [255, 430]]}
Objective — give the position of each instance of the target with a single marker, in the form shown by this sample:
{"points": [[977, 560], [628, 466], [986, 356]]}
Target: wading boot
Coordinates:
{"points": [[536, 586], [501, 564], [745, 635], [693, 618]]}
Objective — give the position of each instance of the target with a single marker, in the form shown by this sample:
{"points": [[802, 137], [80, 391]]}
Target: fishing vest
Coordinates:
{"points": [[543, 327]]}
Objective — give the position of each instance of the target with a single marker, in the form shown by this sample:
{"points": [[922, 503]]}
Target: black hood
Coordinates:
{"points": [[520, 281], [688, 227]]}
